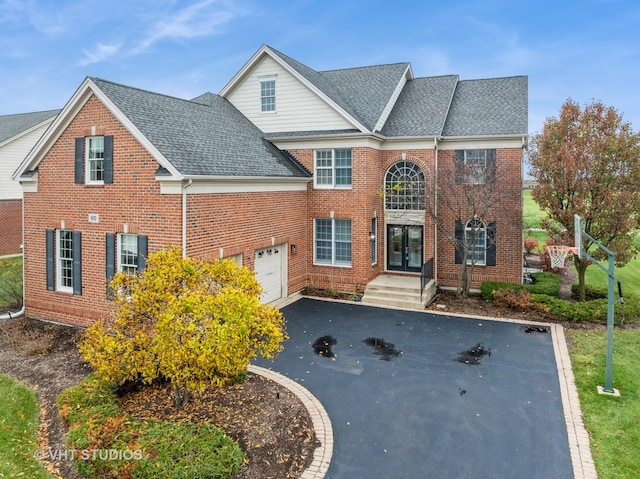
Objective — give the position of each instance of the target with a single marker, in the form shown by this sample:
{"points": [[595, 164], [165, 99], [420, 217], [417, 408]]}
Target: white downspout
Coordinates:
{"points": [[184, 218], [17, 314]]}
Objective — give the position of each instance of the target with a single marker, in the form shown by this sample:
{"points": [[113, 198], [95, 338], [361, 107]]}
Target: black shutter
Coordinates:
{"points": [[111, 255], [459, 167], [79, 161], [142, 252], [110, 261], [77, 262], [491, 166], [491, 244], [50, 252], [108, 159], [459, 242]]}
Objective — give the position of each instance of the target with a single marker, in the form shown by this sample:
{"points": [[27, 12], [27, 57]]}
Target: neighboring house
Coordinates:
{"points": [[281, 171], [18, 134]]}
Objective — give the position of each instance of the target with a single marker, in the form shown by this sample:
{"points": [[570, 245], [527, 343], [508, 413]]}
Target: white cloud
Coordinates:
{"points": [[99, 54], [197, 20]]}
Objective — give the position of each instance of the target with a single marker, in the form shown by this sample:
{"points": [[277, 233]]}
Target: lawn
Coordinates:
{"points": [[612, 422], [19, 414], [11, 281], [531, 212]]}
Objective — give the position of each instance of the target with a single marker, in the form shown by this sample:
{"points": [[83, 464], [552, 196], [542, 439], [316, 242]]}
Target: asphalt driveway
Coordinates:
{"points": [[418, 395]]}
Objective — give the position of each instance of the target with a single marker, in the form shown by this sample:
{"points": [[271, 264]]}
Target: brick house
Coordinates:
{"points": [[283, 171], [18, 134]]}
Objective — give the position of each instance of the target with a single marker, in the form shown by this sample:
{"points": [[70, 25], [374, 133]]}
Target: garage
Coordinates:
{"points": [[270, 272]]}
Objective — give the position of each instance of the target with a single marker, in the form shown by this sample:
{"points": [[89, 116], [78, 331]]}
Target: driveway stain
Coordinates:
{"points": [[473, 355], [322, 346], [386, 351]]}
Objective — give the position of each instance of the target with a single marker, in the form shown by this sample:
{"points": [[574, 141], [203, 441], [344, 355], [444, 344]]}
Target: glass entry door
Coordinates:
{"points": [[404, 248]]}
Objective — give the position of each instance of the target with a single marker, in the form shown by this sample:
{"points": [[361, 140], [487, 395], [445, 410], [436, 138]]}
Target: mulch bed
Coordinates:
{"points": [[270, 423]]}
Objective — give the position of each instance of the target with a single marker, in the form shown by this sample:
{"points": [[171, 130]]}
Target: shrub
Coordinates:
{"points": [[11, 282], [514, 299], [127, 447], [190, 321], [531, 244], [543, 283], [590, 292]]}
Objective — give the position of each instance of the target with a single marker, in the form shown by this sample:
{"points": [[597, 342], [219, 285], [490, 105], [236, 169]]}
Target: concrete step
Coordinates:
{"points": [[397, 292]]}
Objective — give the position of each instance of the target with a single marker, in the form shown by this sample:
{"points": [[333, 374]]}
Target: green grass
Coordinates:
{"points": [[629, 276], [531, 212], [11, 281], [19, 414], [612, 422]]}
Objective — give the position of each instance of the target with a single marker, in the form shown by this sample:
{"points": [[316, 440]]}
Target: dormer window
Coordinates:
{"points": [[268, 95]]}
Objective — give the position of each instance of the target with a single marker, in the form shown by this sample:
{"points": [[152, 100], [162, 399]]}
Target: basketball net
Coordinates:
{"points": [[558, 254]]}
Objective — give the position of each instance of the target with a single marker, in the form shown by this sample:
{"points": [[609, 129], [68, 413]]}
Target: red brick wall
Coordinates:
{"points": [[10, 227], [132, 199], [508, 218], [241, 223], [236, 222]]}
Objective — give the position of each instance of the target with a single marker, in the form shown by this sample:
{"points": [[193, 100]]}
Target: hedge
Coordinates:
{"points": [[543, 283]]}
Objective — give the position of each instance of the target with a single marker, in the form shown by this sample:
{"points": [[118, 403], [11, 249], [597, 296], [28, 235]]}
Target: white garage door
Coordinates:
{"points": [[270, 272]]}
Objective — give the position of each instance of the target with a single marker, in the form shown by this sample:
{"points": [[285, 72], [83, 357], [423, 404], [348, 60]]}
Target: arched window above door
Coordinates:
{"points": [[404, 187]]}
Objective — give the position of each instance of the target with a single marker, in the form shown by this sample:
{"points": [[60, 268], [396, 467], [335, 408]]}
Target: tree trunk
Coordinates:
{"points": [[180, 397], [463, 279], [581, 268]]}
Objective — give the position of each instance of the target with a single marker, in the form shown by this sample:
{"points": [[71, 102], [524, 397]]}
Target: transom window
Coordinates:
{"points": [[332, 242], [404, 187], [268, 95], [332, 168], [475, 238], [95, 159], [128, 253], [65, 260]]}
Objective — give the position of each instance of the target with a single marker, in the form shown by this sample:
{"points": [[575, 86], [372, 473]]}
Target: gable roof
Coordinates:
{"points": [[495, 106], [364, 92], [361, 95], [389, 100], [421, 109], [12, 125], [205, 137]]}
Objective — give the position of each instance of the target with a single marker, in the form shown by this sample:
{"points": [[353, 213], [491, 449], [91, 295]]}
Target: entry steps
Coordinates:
{"points": [[398, 292]]}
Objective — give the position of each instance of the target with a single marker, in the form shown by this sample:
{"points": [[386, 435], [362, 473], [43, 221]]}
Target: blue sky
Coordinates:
{"points": [[585, 50]]}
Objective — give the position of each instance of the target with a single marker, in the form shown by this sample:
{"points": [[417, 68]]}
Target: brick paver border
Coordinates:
{"points": [[319, 417]]}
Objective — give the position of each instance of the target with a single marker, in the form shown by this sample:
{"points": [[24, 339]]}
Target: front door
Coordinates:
{"points": [[404, 248]]}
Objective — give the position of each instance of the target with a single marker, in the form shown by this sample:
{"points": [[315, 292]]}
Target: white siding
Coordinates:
{"points": [[297, 107], [12, 152]]}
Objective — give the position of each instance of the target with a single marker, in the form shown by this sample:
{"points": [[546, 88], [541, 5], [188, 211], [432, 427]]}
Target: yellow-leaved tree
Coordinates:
{"points": [[189, 321]]}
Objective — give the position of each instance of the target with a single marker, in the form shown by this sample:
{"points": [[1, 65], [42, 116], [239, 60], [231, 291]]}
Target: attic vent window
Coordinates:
{"points": [[268, 95]]}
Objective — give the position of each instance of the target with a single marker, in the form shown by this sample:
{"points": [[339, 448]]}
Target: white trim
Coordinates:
{"points": [[265, 50], [392, 100], [69, 112], [58, 267], [171, 186], [27, 131]]}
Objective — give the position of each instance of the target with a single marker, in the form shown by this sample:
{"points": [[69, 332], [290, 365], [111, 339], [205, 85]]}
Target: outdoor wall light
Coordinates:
{"points": [[294, 249], [372, 236]]}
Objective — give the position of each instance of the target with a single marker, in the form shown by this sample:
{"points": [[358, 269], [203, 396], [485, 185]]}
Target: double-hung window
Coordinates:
{"points": [[94, 160], [126, 252], [64, 257], [332, 241], [268, 95], [475, 235], [475, 167], [332, 168], [64, 261]]}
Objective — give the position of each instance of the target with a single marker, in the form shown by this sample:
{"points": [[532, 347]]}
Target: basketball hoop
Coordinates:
{"points": [[558, 254]]}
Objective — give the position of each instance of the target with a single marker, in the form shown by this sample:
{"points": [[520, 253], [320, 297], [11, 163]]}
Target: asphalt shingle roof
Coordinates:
{"points": [[421, 108], [207, 136], [11, 125], [363, 92], [495, 106]]}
